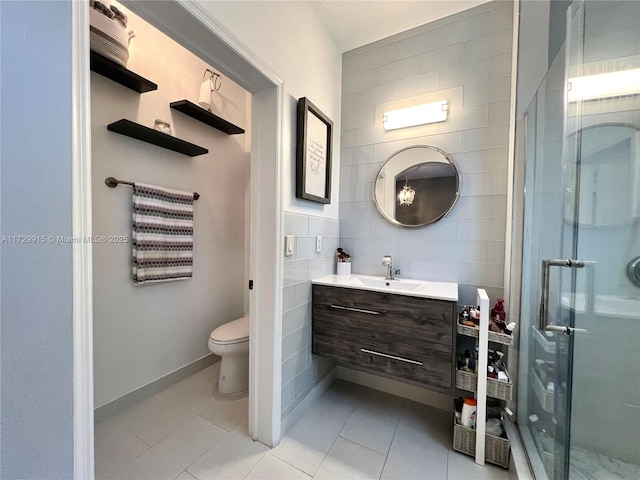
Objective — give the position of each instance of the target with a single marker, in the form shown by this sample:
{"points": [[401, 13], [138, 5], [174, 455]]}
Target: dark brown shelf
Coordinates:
{"points": [[200, 114], [149, 135], [119, 74]]}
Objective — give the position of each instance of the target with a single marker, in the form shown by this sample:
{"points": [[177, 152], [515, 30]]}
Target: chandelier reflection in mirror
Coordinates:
{"points": [[407, 194]]}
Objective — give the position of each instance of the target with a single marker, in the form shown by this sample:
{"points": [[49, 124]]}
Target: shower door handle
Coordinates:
{"points": [[544, 298], [565, 330]]}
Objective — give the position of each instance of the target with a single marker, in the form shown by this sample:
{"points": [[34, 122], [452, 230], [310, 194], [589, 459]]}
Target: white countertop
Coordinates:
{"points": [[401, 286]]}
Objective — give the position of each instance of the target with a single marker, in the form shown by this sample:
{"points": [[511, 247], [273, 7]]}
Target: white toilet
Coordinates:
{"points": [[231, 342]]}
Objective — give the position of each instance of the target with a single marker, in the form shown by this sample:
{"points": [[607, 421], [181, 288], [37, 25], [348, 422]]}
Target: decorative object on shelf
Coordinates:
{"points": [[208, 86], [313, 153], [113, 182], [198, 113], [154, 137], [108, 35], [162, 126]]}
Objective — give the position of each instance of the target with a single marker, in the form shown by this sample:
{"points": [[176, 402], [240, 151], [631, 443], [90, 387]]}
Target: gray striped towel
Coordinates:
{"points": [[162, 234]]}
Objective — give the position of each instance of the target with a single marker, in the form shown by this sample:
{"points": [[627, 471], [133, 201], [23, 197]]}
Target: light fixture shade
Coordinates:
{"points": [[418, 115], [604, 85], [406, 195]]}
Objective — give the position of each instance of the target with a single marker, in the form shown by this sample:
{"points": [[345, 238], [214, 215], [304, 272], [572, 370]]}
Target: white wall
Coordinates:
{"points": [[290, 38], [465, 59], [142, 333], [36, 311]]}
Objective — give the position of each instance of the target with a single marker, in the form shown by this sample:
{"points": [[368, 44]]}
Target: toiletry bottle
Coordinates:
{"points": [[475, 360], [498, 310], [458, 402], [509, 328], [468, 417], [499, 362], [467, 361], [465, 317]]}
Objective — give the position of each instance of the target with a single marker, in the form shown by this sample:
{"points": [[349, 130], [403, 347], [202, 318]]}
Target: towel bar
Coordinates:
{"points": [[112, 182]]}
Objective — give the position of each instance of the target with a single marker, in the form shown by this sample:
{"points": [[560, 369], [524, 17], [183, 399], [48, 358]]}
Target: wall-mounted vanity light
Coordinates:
{"points": [[604, 85], [418, 115]]}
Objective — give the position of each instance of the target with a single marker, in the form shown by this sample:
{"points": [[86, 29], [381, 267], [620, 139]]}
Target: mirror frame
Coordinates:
{"points": [[393, 220]]}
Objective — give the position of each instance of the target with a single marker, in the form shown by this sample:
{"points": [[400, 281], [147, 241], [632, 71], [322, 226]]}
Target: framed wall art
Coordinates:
{"points": [[313, 153]]}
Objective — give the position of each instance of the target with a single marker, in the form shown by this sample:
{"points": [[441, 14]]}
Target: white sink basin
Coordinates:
{"points": [[384, 284], [401, 286]]}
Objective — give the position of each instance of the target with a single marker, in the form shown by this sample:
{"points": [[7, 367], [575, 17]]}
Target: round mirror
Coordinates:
{"points": [[416, 186]]}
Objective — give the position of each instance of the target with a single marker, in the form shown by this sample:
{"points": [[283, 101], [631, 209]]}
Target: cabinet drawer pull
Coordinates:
{"points": [[364, 350], [353, 309]]}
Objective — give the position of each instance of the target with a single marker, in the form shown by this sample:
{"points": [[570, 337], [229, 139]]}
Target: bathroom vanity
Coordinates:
{"points": [[399, 328]]}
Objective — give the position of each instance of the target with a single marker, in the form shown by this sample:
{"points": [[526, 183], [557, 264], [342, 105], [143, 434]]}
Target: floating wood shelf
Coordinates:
{"points": [[119, 74], [149, 135], [202, 115]]}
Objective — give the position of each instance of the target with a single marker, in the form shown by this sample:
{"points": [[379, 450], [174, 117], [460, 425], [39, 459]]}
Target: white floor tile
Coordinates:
{"points": [[159, 424], [228, 414], [272, 468], [232, 458], [114, 447], [309, 440], [175, 453], [185, 476], [348, 460], [463, 467], [374, 421], [415, 454], [142, 413], [344, 392], [429, 419], [207, 375]]}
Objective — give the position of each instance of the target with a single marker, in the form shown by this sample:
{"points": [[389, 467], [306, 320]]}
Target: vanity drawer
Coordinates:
{"points": [[381, 328], [401, 315], [430, 367]]}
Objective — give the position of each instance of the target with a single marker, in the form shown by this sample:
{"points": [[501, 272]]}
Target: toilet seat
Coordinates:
{"points": [[236, 331]]}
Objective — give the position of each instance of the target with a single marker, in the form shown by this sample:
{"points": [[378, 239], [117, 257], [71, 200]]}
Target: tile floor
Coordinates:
{"points": [[351, 432]]}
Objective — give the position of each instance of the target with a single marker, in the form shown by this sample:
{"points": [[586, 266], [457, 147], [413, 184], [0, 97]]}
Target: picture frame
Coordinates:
{"points": [[314, 142]]}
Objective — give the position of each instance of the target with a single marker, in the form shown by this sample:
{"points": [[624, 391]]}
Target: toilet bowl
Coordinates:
{"points": [[231, 342]]}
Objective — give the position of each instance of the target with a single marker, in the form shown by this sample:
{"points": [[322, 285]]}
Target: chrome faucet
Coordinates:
{"points": [[386, 262]]}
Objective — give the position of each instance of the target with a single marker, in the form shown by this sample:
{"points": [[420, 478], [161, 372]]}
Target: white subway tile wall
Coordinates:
{"points": [[465, 59], [301, 371]]}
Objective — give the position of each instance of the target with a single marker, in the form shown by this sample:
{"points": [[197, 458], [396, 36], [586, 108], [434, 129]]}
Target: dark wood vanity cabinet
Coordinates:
{"points": [[407, 337]]}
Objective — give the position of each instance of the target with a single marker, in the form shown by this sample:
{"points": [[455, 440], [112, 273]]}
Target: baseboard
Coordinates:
{"points": [[315, 393], [150, 389], [394, 387]]}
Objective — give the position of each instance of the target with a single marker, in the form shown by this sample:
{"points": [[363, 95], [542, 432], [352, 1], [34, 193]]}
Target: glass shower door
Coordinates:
{"points": [[579, 374], [548, 280], [603, 173]]}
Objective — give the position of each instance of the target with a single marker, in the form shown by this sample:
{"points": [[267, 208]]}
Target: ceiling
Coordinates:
{"points": [[353, 23]]}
